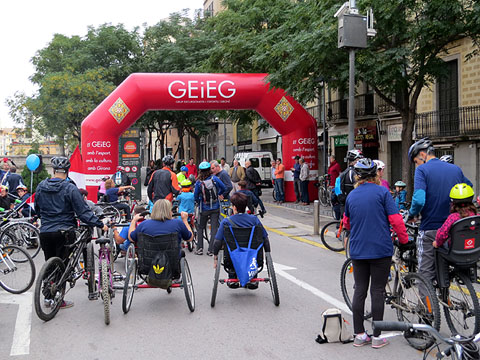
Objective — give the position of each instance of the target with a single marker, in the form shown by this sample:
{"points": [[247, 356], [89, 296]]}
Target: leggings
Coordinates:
{"points": [[377, 271]]}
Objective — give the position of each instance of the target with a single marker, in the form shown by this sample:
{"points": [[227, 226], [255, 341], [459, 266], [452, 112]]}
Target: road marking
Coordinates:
{"points": [[282, 271], [23, 324], [280, 220]]}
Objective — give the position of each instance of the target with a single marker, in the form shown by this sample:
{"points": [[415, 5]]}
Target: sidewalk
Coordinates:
{"points": [[267, 198]]}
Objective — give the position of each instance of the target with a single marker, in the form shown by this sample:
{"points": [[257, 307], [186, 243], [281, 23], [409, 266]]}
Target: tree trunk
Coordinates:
{"points": [[149, 145], [198, 153], [408, 119]]}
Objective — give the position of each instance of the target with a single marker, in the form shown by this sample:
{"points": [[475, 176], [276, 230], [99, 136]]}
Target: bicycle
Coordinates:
{"points": [[409, 293], [333, 235], [16, 231], [325, 191], [459, 348], [14, 277]]}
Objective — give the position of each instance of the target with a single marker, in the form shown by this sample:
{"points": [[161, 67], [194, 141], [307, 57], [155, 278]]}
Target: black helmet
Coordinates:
{"points": [[168, 160], [365, 168], [354, 154], [447, 158], [60, 163], [424, 144]]}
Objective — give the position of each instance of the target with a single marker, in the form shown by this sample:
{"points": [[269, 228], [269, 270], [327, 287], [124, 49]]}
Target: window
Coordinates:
{"points": [[255, 162], [266, 162], [448, 116]]}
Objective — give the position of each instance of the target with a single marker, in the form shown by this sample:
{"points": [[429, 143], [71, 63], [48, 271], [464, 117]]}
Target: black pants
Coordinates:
{"points": [[125, 208], [53, 244], [377, 271], [305, 197], [256, 191]]}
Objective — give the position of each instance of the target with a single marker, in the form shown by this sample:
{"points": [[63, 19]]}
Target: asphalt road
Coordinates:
{"points": [[244, 324]]}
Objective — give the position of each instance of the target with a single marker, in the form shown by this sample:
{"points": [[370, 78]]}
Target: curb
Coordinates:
{"points": [[307, 209]]}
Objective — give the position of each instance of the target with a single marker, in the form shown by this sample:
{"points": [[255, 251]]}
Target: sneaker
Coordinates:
{"points": [[66, 304], [262, 212], [379, 342], [252, 286], [361, 340], [209, 253], [198, 252], [233, 285]]}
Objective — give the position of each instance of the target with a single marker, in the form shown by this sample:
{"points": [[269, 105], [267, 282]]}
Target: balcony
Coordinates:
{"points": [[337, 110], [461, 121]]}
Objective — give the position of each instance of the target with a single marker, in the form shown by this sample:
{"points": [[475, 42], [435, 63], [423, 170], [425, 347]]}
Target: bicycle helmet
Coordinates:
{"points": [[23, 187], [365, 168], [168, 160], [204, 165], [400, 183], [461, 193], [424, 144], [60, 164], [186, 183], [380, 164], [447, 158], [354, 155], [184, 168]]}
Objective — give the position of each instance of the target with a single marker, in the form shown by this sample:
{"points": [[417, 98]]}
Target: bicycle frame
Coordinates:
{"points": [[105, 253]]}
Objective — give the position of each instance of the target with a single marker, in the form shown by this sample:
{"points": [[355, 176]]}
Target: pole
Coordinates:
{"points": [[31, 191], [351, 100], [316, 217], [325, 137], [225, 138]]}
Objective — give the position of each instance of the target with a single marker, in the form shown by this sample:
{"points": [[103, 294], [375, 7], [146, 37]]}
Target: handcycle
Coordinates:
{"points": [[243, 237], [51, 284], [138, 269], [459, 347], [409, 293], [17, 270]]}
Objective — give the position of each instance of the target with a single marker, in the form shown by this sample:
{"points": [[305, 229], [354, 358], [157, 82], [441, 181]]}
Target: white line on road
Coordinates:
{"points": [[23, 324], [281, 270]]}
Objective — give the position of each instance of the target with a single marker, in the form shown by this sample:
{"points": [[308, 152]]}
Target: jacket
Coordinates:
{"points": [[57, 201], [304, 171], [225, 179], [252, 177], [334, 171], [240, 172], [161, 185]]}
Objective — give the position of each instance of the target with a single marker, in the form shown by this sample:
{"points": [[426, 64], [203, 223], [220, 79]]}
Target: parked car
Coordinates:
{"points": [[261, 161]]}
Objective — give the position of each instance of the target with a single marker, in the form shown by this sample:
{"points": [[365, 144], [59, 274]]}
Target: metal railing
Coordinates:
{"points": [[338, 109], [451, 122]]}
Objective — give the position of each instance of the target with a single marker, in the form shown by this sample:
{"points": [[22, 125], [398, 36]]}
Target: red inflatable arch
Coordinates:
{"points": [[142, 92]]}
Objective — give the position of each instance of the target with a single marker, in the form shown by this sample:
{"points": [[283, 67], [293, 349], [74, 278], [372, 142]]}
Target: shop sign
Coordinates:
{"points": [[394, 132], [340, 140]]}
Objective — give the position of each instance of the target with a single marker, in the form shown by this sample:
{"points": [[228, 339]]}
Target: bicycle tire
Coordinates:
{"points": [[347, 284], [9, 269], [322, 196], [187, 284], [90, 269], [216, 278], [22, 234], [416, 308], [273, 279], [274, 194], [129, 256], [459, 297], [105, 278], [50, 273], [113, 213], [330, 237], [129, 287]]}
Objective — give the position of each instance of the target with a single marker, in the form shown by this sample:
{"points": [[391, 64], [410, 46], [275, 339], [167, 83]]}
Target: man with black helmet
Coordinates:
{"points": [[431, 198], [164, 183], [347, 176], [58, 202]]}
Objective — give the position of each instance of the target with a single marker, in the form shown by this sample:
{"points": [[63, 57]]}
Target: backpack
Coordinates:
{"points": [[160, 272], [337, 189], [334, 328], [209, 191]]}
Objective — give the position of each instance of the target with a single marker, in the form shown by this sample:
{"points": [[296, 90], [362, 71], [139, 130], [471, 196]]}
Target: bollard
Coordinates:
{"points": [[316, 217]]}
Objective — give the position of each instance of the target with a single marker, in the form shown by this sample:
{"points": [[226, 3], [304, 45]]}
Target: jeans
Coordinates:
{"points": [[279, 190], [256, 192], [297, 186], [213, 215], [364, 271], [305, 197], [426, 254]]}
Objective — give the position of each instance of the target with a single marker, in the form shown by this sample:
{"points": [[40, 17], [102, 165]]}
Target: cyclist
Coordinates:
{"points": [[252, 202], [163, 183], [121, 237], [57, 201], [120, 178], [23, 194], [461, 197], [223, 176], [186, 199], [254, 182], [347, 177], [433, 181], [97, 210], [400, 194], [381, 170], [208, 190], [447, 158], [6, 202], [182, 175], [367, 206], [112, 194]]}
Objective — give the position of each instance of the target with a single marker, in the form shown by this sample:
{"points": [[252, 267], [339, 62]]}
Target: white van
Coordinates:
{"points": [[261, 161]]}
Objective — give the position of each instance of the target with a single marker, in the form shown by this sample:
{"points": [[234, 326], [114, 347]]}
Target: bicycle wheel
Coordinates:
{"points": [[112, 213], [347, 284], [90, 269], [129, 256], [331, 237], [273, 279], [274, 194], [187, 284], [215, 278], [22, 234], [49, 292], [462, 311], [417, 303], [17, 270], [322, 196], [129, 287], [105, 278]]}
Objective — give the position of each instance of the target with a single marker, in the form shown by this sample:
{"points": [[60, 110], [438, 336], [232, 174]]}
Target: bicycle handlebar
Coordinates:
{"points": [[391, 326]]}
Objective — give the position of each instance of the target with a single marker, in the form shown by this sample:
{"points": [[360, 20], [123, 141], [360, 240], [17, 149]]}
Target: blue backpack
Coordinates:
{"points": [[337, 189]]}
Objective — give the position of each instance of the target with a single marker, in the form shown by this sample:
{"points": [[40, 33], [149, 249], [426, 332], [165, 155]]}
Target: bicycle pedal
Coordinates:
{"points": [[93, 296]]}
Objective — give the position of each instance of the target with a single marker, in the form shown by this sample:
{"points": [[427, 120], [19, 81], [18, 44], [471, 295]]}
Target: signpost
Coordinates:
{"points": [[130, 158]]}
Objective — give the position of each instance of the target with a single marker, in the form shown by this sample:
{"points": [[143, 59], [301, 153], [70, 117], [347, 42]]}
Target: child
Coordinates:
{"points": [[252, 198], [185, 199], [400, 195], [462, 206]]}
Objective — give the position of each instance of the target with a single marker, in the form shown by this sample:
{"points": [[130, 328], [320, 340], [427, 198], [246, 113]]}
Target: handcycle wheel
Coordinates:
{"points": [[273, 279], [22, 234], [216, 278], [463, 314], [187, 284], [129, 256], [113, 213], [90, 269], [418, 304], [331, 237], [105, 278], [347, 284], [49, 292], [16, 268], [129, 287]]}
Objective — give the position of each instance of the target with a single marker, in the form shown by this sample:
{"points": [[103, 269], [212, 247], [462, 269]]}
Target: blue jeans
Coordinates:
{"points": [[279, 190], [305, 197]]}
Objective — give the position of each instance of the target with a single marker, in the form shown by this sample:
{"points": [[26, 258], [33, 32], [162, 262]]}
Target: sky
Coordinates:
{"points": [[27, 26]]}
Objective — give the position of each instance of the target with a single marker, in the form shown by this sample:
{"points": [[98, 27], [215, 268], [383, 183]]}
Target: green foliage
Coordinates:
{"points": [[37, 178]]}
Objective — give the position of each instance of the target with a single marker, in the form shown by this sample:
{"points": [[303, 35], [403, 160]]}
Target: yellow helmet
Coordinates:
{"points": [[461, 193], [186, 183]]}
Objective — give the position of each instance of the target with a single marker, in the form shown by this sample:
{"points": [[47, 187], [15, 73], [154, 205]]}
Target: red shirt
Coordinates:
{"points": [[334, 171], [192, 170]]}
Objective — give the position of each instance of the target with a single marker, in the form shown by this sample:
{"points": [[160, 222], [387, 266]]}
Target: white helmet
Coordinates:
{"points": [[380, 164]]}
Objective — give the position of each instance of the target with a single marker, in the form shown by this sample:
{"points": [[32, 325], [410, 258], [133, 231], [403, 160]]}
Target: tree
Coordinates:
{"points": [[37, 177]]}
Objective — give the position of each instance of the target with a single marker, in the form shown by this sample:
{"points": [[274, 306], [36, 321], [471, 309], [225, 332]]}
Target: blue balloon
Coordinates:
{"points": [[33, 161]]}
